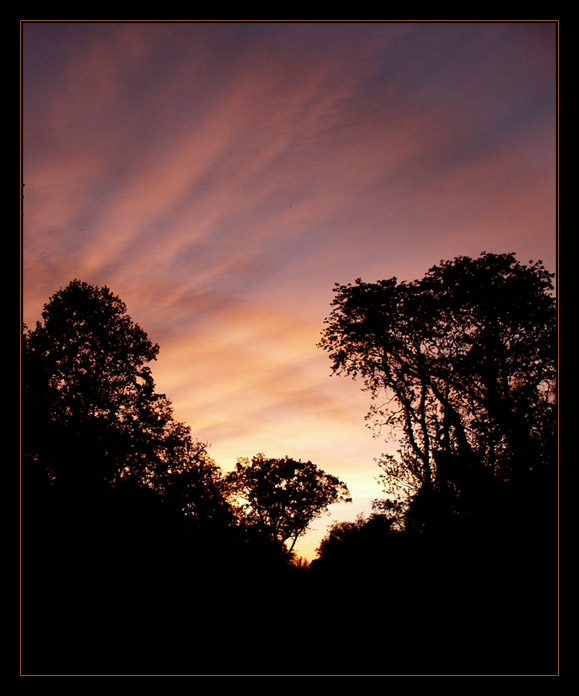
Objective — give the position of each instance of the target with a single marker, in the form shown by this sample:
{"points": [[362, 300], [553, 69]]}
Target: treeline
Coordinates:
{"points": [[141, 556]]}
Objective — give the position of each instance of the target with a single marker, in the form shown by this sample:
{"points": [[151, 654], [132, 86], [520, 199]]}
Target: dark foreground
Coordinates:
{"points": [[97, 602]]}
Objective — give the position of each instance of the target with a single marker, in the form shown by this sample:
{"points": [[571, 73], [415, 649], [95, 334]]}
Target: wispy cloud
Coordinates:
{"points": [[221, 177]]}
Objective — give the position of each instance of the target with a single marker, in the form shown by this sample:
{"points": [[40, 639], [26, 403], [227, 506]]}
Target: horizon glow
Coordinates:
{"points": [[220, 178]]}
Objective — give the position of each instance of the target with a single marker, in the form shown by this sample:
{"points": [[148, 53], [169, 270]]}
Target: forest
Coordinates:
{"points": [[140, 556]]}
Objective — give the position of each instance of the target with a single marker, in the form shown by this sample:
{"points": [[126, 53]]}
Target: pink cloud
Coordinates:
{"points": [[221, 180]]}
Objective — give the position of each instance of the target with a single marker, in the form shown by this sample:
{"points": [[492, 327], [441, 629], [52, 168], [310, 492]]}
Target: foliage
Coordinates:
{"points": [[461, 366], [131, 533], [280, 497], [91, 416], [353, 542]]}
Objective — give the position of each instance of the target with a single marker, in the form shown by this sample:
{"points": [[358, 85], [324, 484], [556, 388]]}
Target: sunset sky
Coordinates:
{"points": [[222, 177]]}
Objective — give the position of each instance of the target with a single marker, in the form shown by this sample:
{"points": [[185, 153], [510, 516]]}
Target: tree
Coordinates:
{"points": [[461, 365], [91, 416], [123, 513], [281, 497], [358, 543]]}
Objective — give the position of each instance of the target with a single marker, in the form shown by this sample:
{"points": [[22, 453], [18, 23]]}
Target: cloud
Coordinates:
{"points": [[274, 146], [220, 178]]}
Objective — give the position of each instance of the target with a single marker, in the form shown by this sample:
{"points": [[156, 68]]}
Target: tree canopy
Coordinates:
{"points": [[91, 415], [460, 364], [132, 537], [281, 497]]}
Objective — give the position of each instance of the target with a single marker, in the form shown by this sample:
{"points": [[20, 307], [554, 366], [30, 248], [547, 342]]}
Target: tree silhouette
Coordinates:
{"points": [[281, 497], [461, 365], [93, 422], [91, 414], [120, 506], [357, 544], [140, 556]]}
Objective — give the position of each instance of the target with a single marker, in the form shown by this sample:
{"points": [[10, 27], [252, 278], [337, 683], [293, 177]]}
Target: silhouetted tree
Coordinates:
{"points": [[108, 472], [358, 544], [119, 504], [281, 497], [90, 408], [461, 365]]}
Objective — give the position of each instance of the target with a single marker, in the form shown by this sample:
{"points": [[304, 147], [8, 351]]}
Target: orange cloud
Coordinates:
{"points": [[221, 178]]}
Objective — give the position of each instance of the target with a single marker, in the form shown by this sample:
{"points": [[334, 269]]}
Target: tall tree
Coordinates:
{"points": [[91, 415], [123, 513], [281, 497], [461, 364]]}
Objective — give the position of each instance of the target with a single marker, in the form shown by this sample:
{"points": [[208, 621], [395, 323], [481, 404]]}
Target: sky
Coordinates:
{"points": [[221, 178]]}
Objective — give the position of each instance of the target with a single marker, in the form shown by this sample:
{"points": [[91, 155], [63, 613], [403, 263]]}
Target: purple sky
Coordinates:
{"points": [[220, 178]]}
